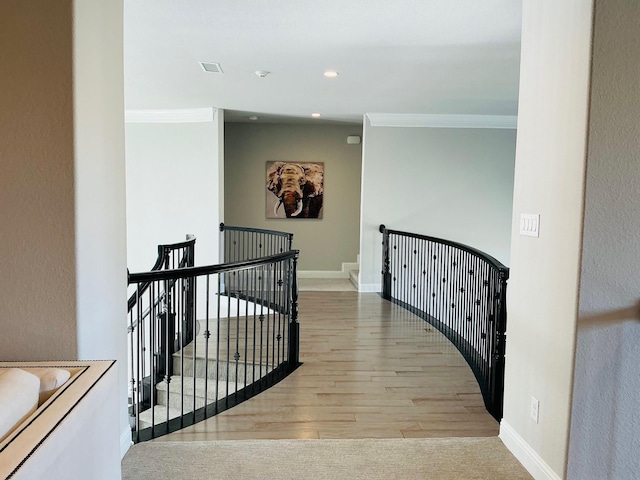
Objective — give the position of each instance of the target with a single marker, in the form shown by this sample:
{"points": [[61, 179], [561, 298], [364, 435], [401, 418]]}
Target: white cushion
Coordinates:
{"points": [[50, 380], [19, 392]]}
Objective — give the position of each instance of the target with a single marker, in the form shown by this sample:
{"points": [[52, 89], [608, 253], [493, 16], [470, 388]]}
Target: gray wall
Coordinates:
{"points": [[451, 183], [605, 424], [324, 243]]}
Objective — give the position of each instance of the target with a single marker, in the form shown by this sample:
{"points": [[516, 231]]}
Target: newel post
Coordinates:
{"points": [[386, 261], [294, 326], [497, 381]]}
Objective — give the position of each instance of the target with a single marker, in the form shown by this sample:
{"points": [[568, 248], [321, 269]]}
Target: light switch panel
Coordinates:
{"points": [[530, 224]]}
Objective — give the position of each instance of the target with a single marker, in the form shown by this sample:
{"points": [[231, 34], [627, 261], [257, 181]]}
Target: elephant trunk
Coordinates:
{"points": [[292, 204]]}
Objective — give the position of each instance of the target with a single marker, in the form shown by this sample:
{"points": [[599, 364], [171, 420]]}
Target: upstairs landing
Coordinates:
{"points": [[371, 370]]}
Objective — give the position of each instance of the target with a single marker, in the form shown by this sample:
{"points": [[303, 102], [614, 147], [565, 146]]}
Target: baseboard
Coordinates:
{"points": [[370, 288], [322, 274], [348, 266], [125, 441], [344, 273], [526, 455], [354, 276]]}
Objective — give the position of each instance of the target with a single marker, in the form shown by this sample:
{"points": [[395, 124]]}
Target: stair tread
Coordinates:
{"points": [[224, 354], [176, 385], [160, 413]]}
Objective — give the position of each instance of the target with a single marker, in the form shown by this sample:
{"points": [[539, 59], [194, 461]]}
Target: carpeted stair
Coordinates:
{"points": [[231, 375]]}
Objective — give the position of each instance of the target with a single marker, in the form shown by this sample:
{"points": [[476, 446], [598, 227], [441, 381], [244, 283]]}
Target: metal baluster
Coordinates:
{"points": [[205, 335]]}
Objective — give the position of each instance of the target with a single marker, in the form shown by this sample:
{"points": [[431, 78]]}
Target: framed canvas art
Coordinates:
{"points": [[295, 189]]}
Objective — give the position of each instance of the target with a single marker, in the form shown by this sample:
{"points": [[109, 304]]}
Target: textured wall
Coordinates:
{"points": [[323, 243], [605, 426], [37, 237]]}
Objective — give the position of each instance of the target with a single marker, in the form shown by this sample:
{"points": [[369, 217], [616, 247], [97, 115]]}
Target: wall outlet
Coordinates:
{"points": [[535, 409]]}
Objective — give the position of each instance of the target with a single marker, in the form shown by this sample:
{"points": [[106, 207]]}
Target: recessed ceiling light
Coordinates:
{"points": [[211, 67], [331, 74], [315, 115], [262, 73]]}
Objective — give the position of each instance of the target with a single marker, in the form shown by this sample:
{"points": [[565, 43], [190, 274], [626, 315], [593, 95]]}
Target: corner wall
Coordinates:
{"points": [[325, 243], [173, 184], [63, 283], [453, 183], [542, 297], [99, 180]]}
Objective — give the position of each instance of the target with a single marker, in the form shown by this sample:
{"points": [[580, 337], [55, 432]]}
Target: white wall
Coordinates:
{"points": [[453, 183], [544, 279], [99, 166], [62, 195], [173, 187], [605, 425]]}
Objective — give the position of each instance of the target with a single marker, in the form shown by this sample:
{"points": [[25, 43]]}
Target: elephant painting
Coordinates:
{"points": [[296, 190]]}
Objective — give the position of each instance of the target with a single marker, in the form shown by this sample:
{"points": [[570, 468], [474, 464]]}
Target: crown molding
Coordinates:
{"points": [[442, 121], [182, 115]]}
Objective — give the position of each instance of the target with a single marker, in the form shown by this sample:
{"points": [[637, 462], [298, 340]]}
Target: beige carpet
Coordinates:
{"points": [[370, 459]]}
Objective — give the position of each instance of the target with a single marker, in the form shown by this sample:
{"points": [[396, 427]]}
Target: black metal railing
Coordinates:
{"points": [[460, 291], [170, 256], [243, 243], [241, 343]]}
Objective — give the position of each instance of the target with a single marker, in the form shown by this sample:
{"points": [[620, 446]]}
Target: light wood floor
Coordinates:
{"points": [[371, 370]]}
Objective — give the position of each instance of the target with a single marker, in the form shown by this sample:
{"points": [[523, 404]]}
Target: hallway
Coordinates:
{"points": [[370, 370]]}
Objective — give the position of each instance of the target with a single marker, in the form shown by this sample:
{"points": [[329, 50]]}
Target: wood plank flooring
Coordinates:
{"points": [[371, 370]]}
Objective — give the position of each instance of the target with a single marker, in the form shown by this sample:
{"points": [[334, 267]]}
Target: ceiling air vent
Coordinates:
{"points": [[211, 67]]}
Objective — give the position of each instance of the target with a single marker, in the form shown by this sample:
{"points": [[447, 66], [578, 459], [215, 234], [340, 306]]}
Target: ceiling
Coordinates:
{"points": [[393, 56]]}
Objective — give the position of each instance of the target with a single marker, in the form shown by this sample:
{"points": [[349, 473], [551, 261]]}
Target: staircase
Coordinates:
{"points": [[248, 342], [199, 377], [182, 388]]}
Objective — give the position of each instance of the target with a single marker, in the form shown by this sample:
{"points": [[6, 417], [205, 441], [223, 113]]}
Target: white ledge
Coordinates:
{"points": [[442, 121], [183, 115]]}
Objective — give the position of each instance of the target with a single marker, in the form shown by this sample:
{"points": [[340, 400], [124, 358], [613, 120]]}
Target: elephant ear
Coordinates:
{"points": [[314, 177], [273, 177]]}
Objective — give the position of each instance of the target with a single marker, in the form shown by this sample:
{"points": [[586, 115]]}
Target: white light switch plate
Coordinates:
{"points": [[530, 224]]}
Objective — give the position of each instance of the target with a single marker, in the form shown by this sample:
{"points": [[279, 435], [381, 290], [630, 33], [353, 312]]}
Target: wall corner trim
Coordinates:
{"points": [[424, 120], [125, 442], [369, 287], [180, 115], [526, 455]]}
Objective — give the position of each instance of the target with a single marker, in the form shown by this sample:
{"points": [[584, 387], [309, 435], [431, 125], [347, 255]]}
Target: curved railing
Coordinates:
{"points": [[242, 341], [459, 290], [170, 256], [245, 243]]}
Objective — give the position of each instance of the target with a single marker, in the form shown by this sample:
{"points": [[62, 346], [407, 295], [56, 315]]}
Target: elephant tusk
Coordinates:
{"points": [[277, 207], [297, 212]]}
